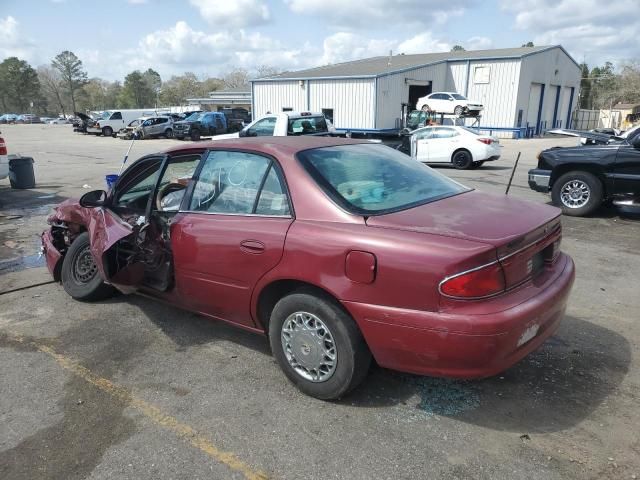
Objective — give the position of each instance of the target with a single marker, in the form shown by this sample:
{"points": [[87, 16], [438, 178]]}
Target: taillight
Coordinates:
{"points": [[3, 147], [481, 282], [486, 141]]}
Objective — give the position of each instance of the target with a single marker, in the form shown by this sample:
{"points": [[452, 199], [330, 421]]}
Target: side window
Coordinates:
{"points": [[134, 190], [177, 174], [273, 199], [229, 183], [116, 116], [162, 120], [444, 133], [263, 128], [328, 113], [424, 134]]}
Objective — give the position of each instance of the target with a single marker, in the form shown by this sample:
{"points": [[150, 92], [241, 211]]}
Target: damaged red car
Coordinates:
{"points": [[339, 250]]}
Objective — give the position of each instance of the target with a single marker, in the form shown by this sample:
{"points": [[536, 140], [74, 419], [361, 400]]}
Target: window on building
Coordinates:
{"points": [[481, 74], [287, 109], [328, 114]]}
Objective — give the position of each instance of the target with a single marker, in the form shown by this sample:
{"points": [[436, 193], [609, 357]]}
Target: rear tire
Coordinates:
{"points": [[168, 133], [107, 131], [305, 329], [79, 273], [462, 159], [195, 135], [577, 193]]}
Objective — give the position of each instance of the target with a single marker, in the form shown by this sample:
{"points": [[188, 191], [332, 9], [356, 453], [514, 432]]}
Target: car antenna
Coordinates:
{"points": [[126, 155], [515, 165]]}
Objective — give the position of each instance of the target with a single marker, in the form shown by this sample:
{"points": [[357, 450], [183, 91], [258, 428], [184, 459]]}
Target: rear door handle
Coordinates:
{"points": [[252, 246]]}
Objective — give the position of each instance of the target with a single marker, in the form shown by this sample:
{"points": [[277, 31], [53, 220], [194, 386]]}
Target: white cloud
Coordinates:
{"points": [[587, 28], [345, 46], [423, 43], [233, 13], [137, 2], [349, 15], [13, 42], [478, 43]]}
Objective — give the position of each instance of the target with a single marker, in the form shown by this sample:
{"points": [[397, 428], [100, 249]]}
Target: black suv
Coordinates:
{"points": [[581, 178]]}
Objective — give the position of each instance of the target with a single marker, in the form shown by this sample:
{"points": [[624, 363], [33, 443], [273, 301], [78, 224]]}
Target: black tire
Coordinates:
{"points": [[107, 131], [459, 110], [462, 159], [195, 135], [179, 138], [168, 133], [352, 354], [583, 184], [80, 277], [476, 165]]}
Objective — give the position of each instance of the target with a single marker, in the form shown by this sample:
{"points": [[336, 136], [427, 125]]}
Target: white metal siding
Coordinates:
{"points": [[499, 95], [457, 77], [274, 96], [551, 67], [352, 101], [393, 91]]}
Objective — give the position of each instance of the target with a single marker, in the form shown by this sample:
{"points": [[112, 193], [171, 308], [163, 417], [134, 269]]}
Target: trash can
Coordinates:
{"points": [[21, 172]]}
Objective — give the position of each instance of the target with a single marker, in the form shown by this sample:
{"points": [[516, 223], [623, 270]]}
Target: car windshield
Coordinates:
{"points": [[195, 116], [457, 96], [372, 179], [105, 116]]}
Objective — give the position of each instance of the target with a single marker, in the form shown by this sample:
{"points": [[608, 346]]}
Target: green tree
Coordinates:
{"points": [[73, 75], [154, 81], [458, 48], [585, 87], [112, 95], [136, 92], [52, 89], [19, 85], [528, 44], [95, 95]]}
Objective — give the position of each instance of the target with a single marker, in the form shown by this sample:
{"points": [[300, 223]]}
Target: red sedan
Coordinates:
{"points": [[338, 250]]}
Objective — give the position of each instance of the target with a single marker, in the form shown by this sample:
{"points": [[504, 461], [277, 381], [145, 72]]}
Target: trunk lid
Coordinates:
{"points": [[525, 235]]}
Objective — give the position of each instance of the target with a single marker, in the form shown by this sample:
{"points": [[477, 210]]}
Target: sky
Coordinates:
{"points": [[211, 37]]}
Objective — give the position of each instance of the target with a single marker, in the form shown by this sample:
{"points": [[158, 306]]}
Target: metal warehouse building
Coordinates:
{"points": [[523, 90]]}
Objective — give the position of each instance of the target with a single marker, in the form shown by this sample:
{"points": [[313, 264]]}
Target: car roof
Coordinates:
{"points": [[269, 145]]}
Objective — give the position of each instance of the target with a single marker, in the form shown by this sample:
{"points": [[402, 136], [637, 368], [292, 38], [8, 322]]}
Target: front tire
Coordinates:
{"points": [[168, 133], [195, 135], [79, 274], [107, 131], [459, 110], [577, 193], [462, 159], [318, 345]]}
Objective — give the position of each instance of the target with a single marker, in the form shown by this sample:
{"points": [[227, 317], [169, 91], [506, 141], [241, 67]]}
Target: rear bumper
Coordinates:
{"points": [[436, 343], [539, 180]]}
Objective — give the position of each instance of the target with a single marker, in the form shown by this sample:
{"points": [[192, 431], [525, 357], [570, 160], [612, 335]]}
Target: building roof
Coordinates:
{"points": [[384, 65], [246, 88]]}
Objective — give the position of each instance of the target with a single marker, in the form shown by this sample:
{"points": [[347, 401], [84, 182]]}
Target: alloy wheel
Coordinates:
{"points": [[575, 194]]}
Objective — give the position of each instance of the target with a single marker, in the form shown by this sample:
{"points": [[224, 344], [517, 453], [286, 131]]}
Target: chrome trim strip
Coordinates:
{"points": [[235, 214]]}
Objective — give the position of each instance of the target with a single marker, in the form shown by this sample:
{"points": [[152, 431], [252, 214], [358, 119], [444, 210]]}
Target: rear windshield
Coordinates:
{"points": [[372, 179], [307, 126], [457, 96]]}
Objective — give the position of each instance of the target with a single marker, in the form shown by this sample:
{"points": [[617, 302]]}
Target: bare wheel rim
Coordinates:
{"points": [[575, 194], [309, 347], [84, 267]]}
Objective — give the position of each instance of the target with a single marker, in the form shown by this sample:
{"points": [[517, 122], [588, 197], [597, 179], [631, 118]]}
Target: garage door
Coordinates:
{"points": [[534, 105], [564, 107]]}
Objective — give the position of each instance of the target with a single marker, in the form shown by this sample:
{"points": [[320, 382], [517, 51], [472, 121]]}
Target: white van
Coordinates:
{"points": [[111, 121]]}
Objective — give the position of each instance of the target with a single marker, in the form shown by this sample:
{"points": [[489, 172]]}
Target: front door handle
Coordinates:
{"points": [[252, 246]]}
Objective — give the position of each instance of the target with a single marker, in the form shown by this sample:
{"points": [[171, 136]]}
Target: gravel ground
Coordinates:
{"points": [[129, 388]]}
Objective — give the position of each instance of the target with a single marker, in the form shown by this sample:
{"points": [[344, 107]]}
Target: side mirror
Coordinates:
{"points": [[450, 99], [96, 198], [243, 133]]}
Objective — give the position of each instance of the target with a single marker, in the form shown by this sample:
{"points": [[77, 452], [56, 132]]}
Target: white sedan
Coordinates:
{"points": [[449, 103], [58, 121], [460, 146]]}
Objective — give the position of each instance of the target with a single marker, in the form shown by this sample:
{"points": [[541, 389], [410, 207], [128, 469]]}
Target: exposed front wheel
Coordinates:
{"points": [[459, 110], [80, 276], [318, 345], [462, 159], [107, 131], [577, 193]]}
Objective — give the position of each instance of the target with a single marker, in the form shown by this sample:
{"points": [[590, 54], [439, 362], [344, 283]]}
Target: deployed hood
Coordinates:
{"points": [[498, 220], [597, 137], [82, 116]]}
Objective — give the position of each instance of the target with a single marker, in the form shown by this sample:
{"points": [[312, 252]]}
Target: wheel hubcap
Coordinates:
{"points": [[309, 347], [84, 268], [575, 194]]}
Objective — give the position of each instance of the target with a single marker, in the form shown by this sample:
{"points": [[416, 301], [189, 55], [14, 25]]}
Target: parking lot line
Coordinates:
{"points": [[153, 413]]}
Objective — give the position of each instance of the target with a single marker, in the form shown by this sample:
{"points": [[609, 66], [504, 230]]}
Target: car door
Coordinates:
{"points": [[422, 138], [442, 144], [435, 102], [627, 168], [231, 232]]}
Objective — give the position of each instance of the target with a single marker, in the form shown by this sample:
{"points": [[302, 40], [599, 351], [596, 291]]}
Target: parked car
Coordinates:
{"points": [[461, 147], [201, 124], [28, 118], [148, 127], [82, 121], [337, 249], [581, 178], [449, 102], [58, 121], [285, 124], [4, 159], [8, 118]]}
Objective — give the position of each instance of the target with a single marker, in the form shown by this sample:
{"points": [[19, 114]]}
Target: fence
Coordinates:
{"points": [[585, 119]]}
